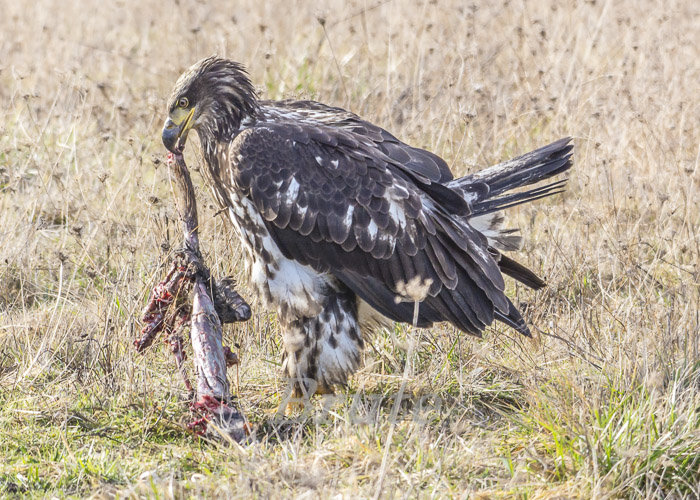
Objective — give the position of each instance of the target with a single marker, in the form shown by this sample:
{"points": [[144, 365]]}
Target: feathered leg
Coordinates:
{"points": [[324, 350]]}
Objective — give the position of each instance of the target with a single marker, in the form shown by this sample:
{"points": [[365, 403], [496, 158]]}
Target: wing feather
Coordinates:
{"points": [[371, 225]]}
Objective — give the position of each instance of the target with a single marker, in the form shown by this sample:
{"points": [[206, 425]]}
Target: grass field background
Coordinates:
{"points": [[605, 402]]}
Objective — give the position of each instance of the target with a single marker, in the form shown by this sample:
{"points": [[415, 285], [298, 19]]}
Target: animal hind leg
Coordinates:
{"points": [[323, 351]]}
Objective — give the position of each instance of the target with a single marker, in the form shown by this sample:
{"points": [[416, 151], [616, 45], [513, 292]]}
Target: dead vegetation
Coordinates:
{"points": [[605, 403]]}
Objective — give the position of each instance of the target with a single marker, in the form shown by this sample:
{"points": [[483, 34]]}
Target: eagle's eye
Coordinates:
{"points": [[183, 102]]}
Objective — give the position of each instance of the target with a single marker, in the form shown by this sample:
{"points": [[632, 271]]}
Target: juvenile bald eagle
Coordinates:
{"points": [[344, 225]]}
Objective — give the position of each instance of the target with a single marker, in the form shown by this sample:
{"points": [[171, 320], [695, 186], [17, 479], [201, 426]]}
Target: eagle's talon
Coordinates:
{"points": [[229, 305]]}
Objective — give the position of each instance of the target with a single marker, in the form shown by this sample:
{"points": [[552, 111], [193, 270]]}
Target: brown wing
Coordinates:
{"points": [[426, 166], [337, 203]]}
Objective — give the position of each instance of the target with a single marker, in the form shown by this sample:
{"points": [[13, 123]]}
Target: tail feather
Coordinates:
{"points": [[514, 319], [491, 226], [484, 193], [490, 205], [482, 188], [519, 272]]}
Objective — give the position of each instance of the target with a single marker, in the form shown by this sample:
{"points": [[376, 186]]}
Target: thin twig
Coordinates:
{"points": [[322, 22], [399, 398]]}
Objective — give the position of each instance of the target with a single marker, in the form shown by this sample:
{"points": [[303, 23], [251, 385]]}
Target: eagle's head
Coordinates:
{"points": [[212, 97]]}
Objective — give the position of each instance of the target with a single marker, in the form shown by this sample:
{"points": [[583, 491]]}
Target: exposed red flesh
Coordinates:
{"points": [[184, 299]]}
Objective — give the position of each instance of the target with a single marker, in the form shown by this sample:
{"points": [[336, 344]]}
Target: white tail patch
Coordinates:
{"points": [[490, 225]]}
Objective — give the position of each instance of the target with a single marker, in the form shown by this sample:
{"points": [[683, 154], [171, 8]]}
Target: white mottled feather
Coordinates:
{"points": [[490, 226]]}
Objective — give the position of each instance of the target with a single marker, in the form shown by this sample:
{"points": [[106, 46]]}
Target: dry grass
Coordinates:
{"points": [[606, 403]]}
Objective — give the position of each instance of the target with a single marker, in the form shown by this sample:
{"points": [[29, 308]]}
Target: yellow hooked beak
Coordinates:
{"points": [[176, 128]]}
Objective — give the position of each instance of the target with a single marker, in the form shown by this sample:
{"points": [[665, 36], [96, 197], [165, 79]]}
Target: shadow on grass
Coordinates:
{"points": [[445, 411]]}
